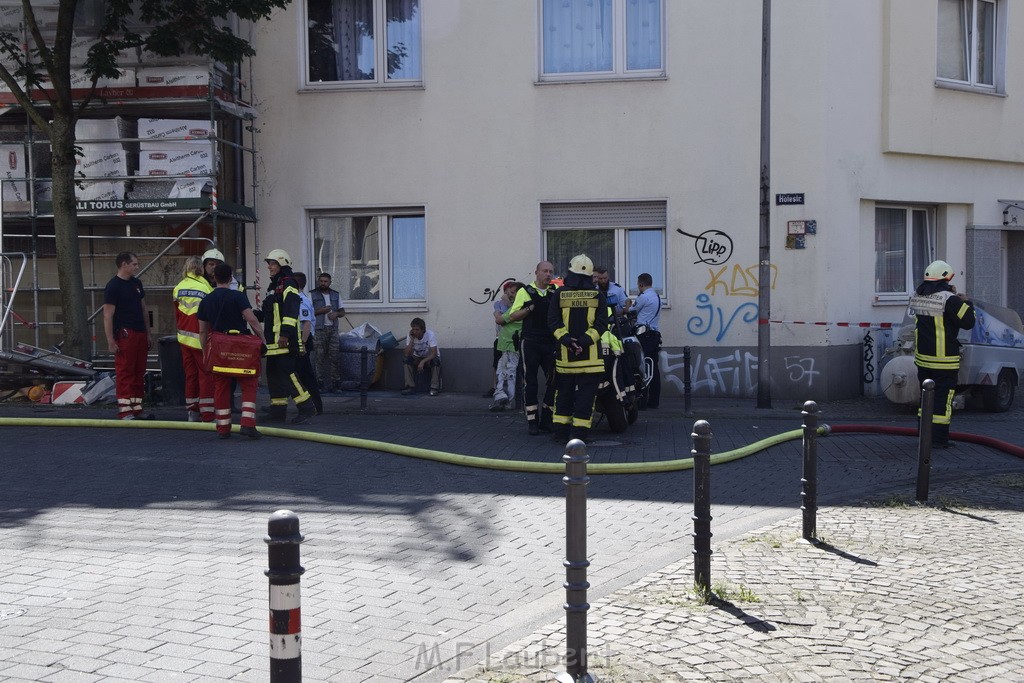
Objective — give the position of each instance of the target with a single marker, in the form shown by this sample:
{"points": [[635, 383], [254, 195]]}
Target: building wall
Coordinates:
{"points": [[856, 119]]}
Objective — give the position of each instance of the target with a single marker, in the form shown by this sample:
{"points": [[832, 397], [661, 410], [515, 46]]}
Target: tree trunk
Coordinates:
{"points": [[77, 335]]}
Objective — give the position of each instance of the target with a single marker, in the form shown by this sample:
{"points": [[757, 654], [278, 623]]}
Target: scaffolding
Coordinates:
{"points": [[167, 169]]}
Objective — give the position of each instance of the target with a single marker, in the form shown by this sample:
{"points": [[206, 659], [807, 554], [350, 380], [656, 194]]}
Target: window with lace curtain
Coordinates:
{"points": [[904, 246], [363, 43], [601, 39], [970, 43], [377, 259]]}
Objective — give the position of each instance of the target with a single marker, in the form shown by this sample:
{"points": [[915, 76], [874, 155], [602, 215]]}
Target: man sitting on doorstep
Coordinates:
{"points": [[421, 352]]}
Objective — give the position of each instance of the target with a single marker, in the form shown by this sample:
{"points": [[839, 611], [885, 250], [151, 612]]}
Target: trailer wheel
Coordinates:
{"points": [[615, 412], [999, 398]]}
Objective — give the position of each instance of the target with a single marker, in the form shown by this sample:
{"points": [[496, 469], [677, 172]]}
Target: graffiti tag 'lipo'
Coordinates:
{"points": [[712, 246]]}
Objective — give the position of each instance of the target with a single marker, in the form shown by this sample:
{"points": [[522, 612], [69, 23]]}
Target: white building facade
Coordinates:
{"points": [[422, 152]]}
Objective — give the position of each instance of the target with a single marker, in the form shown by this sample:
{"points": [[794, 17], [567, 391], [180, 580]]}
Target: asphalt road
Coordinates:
{"points": [[138, 554]]}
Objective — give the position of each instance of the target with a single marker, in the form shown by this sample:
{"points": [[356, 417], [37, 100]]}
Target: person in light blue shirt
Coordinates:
{"points": [[613, 291], [648, 313], [304, 364]]}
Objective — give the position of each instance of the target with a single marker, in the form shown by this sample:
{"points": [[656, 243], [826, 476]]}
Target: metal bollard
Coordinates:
{"points": [[576, 564], [809, 482], [686, 382], [924, 445], [283, 539], [702, 506], [364, 382]]}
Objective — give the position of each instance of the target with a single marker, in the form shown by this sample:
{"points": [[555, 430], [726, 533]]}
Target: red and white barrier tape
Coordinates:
{"points": [[877, 326]]}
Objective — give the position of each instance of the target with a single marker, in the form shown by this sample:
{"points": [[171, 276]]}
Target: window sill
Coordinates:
{"points": [[603, 78], [358, 87], [967, 87], [891, 300], [385, 308]]}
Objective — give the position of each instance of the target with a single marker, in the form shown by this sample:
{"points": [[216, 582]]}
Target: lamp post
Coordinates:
{"points": [[764, 389]]}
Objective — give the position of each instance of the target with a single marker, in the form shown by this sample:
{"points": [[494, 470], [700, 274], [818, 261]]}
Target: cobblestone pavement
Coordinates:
{"points": [[137, 554], [894, 591]]}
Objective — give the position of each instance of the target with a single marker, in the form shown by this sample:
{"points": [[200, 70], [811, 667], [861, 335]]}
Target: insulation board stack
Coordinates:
{"points": [[101, 159], [173, 147]]}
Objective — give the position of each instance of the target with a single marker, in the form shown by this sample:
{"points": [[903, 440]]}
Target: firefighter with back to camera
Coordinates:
{"points": [[577, 317], [940, 313]]}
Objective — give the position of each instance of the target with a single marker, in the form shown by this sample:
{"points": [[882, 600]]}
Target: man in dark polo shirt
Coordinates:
{"points": [[125, 322]]}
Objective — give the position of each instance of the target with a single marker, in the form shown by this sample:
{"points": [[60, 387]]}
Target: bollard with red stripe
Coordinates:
{"points": [[283, 539]]}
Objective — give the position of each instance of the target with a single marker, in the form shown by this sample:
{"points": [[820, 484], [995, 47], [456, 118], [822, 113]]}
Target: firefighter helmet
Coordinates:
{"points": [[281, 256], [581, 265], [938, 270], [213, 255]]}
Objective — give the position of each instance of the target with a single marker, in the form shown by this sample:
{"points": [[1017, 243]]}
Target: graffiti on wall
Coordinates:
{"points": [[731, 374], [740, 281], [869, 358], [713, 247], [490, 295], [712, 318]]}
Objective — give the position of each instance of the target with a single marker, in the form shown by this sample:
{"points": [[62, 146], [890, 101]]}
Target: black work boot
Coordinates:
{"points": [[560, 433], [306, 411], [581, 433], [274, 414], [531, 422], [545, 419]]}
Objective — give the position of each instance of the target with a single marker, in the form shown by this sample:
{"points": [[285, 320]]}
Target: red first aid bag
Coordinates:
{"points": [[232, 354]]}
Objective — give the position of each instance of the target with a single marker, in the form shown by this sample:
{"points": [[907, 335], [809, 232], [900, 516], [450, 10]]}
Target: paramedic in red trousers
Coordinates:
{"points": [[280, 317], [126, 324], [577, 317], [941, 313], [188, 294], [227, 310], [537, 346], [647, 308]]}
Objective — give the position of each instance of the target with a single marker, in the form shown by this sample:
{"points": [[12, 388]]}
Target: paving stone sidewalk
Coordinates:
{"points": [[895, 591]]}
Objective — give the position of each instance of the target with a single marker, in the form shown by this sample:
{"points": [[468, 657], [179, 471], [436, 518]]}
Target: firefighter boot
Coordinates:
{"points": [[306, 411], [274, 413], [531, 421], [545, 418], [560, 433], [581, 433]]}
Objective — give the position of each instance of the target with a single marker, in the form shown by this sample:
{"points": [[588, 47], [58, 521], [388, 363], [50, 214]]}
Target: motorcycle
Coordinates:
{"points": [[623, 389]]}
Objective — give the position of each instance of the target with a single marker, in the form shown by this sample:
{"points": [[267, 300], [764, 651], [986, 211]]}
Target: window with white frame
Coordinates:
{"points": [[628, 238], [971, 36], [601, 39], [376, 258], [904, 246], [364, 43]]}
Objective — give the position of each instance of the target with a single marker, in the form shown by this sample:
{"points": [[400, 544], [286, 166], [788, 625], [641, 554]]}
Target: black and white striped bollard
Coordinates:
{"points": [[283, 539]]}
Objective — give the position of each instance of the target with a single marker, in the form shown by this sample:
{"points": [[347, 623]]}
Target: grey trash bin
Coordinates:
{"points": [[172, 372], [350, 361]]}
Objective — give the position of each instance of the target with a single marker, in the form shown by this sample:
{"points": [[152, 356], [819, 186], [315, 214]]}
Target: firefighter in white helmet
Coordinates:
{"points": [[280, 317], [941, 313], [577, 317], [212, 257]]}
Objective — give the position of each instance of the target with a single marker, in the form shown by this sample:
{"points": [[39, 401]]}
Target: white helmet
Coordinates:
{"points": [[281, 256], [938, 270], [213, 255], [581, 265]]}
